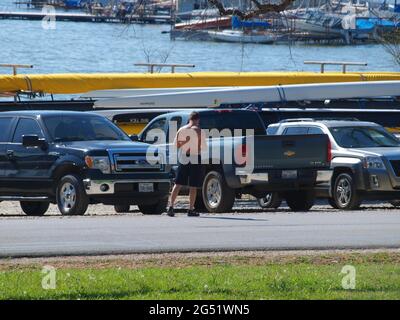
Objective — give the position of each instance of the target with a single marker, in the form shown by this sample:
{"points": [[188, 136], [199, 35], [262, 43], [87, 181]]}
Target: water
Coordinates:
{"points": [[92, 47]]}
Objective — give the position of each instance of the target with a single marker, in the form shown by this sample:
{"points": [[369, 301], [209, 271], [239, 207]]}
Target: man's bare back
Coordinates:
{"points": [[190, 139]]}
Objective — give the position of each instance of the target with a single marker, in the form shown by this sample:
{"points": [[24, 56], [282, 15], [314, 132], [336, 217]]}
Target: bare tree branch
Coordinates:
{"points": [[262, 8], [391, 43], [226, 12]]}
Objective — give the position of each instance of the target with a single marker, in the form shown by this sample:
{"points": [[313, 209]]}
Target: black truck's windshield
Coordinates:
{"points": [[83, 127], [225, 119], [363, 137]]}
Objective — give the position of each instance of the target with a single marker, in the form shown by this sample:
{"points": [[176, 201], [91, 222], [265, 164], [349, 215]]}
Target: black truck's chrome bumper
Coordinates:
{"points": [[252, 178], [108, 187], [323, 176]]}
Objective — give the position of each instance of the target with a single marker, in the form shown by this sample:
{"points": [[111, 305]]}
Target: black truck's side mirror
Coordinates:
{"points": [[33, 141], [134, 137]]}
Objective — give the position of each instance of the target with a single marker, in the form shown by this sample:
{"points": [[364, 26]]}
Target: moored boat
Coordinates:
{"points": [[242, 36]]}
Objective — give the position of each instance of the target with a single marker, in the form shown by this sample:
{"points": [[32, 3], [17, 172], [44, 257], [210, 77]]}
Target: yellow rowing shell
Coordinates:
{"points": [[81, 83]]}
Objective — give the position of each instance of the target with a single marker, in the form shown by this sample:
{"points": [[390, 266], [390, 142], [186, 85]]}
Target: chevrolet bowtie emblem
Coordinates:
{"points": [[289, 153]]}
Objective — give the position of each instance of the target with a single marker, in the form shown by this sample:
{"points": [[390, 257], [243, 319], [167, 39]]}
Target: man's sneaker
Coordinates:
{"points": [[192, 213], [171, 212]]}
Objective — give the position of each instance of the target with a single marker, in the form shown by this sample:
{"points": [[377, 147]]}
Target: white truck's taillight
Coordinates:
{"points": [[329, 151]]}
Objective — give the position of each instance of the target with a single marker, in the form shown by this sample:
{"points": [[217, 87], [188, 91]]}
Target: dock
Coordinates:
{"points": [[83, 17]]}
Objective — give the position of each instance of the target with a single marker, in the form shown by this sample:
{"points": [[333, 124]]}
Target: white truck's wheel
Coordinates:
{"points": [[345, 193], [271, 201]]}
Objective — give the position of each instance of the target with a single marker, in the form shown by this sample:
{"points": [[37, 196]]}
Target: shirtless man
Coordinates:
{"points": [[189, 141]]}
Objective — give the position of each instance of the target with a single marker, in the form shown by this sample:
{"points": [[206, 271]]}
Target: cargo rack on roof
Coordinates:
{"points": [[318, 119], [336, 119], [297, 120]]}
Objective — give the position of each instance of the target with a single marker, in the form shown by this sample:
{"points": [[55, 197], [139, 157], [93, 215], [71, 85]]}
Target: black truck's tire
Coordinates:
{"points": [[271, 201], [300, 200], [395, 203], [332, 203], [217, 196], [71, 196], [345, 193], [31, 208], [154, 209], [122, 208]]}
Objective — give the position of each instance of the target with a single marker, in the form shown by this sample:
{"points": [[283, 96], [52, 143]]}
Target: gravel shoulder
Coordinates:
{"points": [[181, 260], [11, 209]]}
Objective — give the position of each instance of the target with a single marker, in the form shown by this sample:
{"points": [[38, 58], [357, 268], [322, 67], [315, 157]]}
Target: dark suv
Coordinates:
{"points": [[75, 159]]}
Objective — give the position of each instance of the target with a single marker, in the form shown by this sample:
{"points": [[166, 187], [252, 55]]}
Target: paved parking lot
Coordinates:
{"points": [[102, 231]]}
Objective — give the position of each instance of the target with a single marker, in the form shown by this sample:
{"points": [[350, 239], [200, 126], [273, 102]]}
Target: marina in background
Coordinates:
{"points": [[324, 22], [309, 21]]}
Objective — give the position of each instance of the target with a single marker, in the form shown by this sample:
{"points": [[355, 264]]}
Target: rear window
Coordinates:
{"points": [[315, 130], [296, 130], [272, 130], [5, 125], [232, 120]]}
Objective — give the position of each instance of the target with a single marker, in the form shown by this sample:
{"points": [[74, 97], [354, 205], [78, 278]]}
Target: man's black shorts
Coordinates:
{"points": [[190, 175]]}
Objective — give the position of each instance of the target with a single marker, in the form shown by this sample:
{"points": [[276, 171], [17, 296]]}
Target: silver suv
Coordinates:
{"points": [[365, 160]]}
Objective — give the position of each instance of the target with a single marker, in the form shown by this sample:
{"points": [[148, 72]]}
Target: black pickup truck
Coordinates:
{"points": [[290, 165], [75, 159]]}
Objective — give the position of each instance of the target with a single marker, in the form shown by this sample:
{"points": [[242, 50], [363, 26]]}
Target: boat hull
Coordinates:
{"points": [[240, 38], [81, 83], [303, 25]]}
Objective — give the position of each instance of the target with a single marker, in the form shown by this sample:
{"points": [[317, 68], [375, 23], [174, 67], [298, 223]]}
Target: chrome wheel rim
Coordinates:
{"points": [[265, 202], [67, 196], [214, 192], [343, 192]]}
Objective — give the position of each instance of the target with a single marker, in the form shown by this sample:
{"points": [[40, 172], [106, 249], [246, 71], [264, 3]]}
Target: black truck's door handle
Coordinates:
{"points": [[10, 154]]}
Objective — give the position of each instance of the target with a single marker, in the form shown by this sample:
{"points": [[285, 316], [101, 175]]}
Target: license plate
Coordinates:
{"points": [[289, 174], [146, 187], [261, 177]]}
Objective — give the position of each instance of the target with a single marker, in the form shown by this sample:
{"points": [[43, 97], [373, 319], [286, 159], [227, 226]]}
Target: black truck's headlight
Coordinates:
{"points": [[373, 163], [100, 163]]}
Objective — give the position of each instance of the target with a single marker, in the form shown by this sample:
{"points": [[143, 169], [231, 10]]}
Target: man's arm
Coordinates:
{"points": [[175, 143], [179, 142], [203, 140]]}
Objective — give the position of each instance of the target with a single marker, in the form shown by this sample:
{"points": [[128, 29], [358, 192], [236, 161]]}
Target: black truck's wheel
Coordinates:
{"points": [[395, 203], [345, 193], [271, 201], [31, 208], [332, 203], [217, 196], [122, 208], [154, 209], [71, 196], [300, 200]]}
